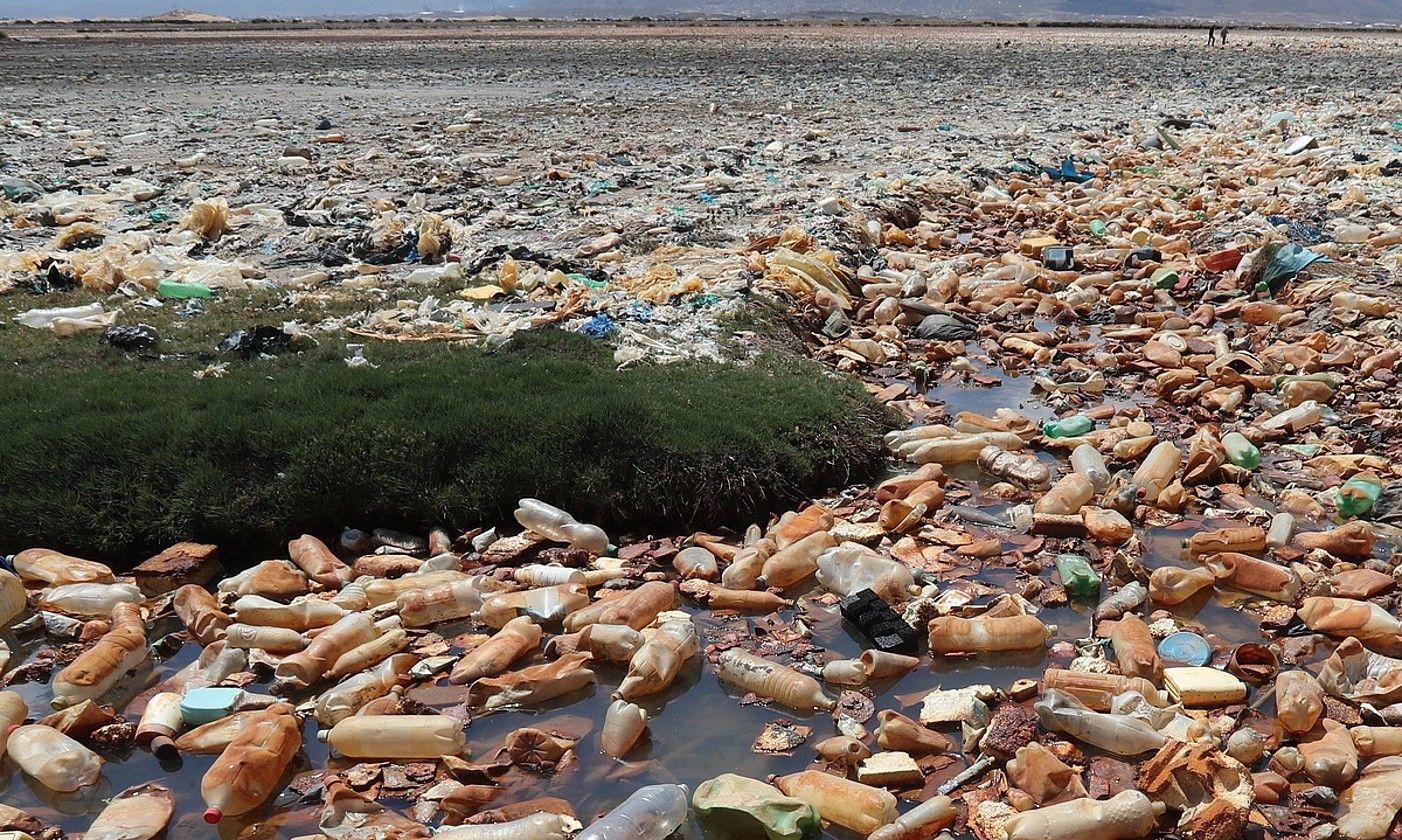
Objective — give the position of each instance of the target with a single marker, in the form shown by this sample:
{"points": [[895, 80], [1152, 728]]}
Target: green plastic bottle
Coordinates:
{"points": [[171, 289], [1097, 228], [1241, 451], [1073, 426], [1077, 576], [1359, 494]]}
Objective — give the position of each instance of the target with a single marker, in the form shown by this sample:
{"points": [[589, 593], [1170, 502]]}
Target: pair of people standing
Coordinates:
{"points": [[1212, 36]]}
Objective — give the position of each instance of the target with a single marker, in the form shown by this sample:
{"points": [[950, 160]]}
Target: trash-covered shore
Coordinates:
{"points": [[1133, 571]]}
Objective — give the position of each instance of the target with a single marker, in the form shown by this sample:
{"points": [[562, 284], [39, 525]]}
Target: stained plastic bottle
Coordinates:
{"points": [[851, 567], [161, 723], [1368, 807], [772, 681], [1065, 427], [12, 597], [1135, 650], [624, 724], [42, 565], [1119, 734], [345, 698], [744, 570], [1023, 470], [379, 592], [614, 643], [98, 668], [200, 613], [895, 731], [1240, 451], [1281, 531], [269, 639], [1077, 576], [1106, 526], [1377, 741], [852, 805], [637, 608], [950, 634], [538, 574], [52, 758], [792, 528], [695, 562], [250, 768], [1302, 416], [450, 601], [13, 711], [1098, 691], [1087, 460], [922, 822], [519, 637], [1173, 585], [90, 600], [1330, 757], [656, 664], [1359, 494], [1156, 470], [794, 563], [313, 557], [1071, 492], [1355, 539], [1246, 539], [748, 808], [216, 662], [1254, 575], [543, 825], [548, 604], [309, 665], [369, 654], [396, 737], [1127, 815], [303, 614], [555, 524], [651, 813]]}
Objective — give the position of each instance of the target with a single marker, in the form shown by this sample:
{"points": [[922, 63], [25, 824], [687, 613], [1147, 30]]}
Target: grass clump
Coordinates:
{"points": [[120, 458]]}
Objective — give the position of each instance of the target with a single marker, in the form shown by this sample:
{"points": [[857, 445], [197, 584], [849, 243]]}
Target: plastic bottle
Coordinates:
{"points": [[1366, 621], [745, 600], [1077, 576], [884, 665], [1330, 757], [1370, 805], [1071, 493], [555, 524], [624, 724], [1281, 531], [549, 604], [745, 569], [268, 639], [651, 813], [794, 563], [1126, 598], [1135, 650], [1098, 691], [379, 592], [161, 723], [250, 768], [303, 614], [1156, 470], [851, 567], [396, 736], [844, 672], [369, 654], [1302, 416], [543, 825], [12, 597], [791, 529], [1173, 585], [614, 643], [1244, 539], [922, 822], [1355, 539], [772, 681], [958, 450], [272, 578], [950, 634], [637, 608], [519, 637], [42, 565], [1240, 451], [450, 601], [852, 805], [313, 557], [537, 575], [98, 668], [1106, 526], [1118, 734], [1377, 741], [217, 661], [13, 711], [695, 562], [532, 685], [345, 698], [748, 808], [1127, 815], [1254, 575], [1023, 470], [1359, 494], [309, 665], [1087, 460], [90, 600], [52, 758], [1065, 427], [200, 613], [895, 731], [656, 664]]}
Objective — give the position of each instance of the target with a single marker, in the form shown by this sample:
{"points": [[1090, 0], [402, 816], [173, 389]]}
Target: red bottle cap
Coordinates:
{"points": [[11, 728], [213, 815]]}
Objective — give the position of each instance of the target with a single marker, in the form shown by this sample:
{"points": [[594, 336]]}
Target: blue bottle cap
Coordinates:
{"points": [[1185, 648]]}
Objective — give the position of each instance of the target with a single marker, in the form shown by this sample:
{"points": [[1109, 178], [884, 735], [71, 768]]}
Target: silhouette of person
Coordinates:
{"points": [[1224, 35], [1211, 35]]}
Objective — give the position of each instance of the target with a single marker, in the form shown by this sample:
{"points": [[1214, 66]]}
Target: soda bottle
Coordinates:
{"points": [[1077, 576], [52, 758], [249, 769], [1240, 451], [794, 563], [1118, 734], [536, 575], [895, 731], [396, 736], [1359, 494], [657, 663], [772, 681], [555, 524], [1156, 470], [1065, 427], [542, 825], [1354, 539], [519, 637], [744, 570], [651, 813]]}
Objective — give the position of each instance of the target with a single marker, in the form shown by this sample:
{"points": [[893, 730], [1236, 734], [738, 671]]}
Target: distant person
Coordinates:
{"points": [[1211, 36], [1225, 30]]}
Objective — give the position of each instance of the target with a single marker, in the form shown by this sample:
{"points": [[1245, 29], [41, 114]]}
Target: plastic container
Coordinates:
{"points": [[452, 601], [379, 592], [1302, 416], [1173, 585], [303, 614], [744, 807], [50, 568], [637, 608], [98, 668], [922, 822], [1281, 531], [1359, 494], [13, 711], [273, 640], [624, 724], [1368, 807], [1077, 576], [203, 705], [12, 597], [345, 698], [1098, 691], [1240, 451], [313, 557], [538, 826], [1202, 687], [518, 638], [651, 813], [1106, 526], [695, 562], [1065, 427], [1118, 734], [851, 567], [135, 814], [852, 805], [1185, 648], [656, 664], [1023, 470], [792, 528], [1127, 815], [90, 600], [1156, 471], [555, 524], [1087, 461], [1071, 492], [53, 759], [895, 731], [1366, 621], [744, 570], [182, 291], [1254, 575], [309, 665], [794, 563], [1355, 539], [396, 737], [200, 613], [949, 634], [549, 604], [1377, 741], [772, 681], [251, 767], [161, 723]]}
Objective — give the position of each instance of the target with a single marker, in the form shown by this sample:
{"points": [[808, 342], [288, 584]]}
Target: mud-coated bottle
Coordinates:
{"points": [[852, 805], [772, 681], [51, 568], [1173, 585], [950, 634], [1119, 734], [396, 737], [656, 664], [98, 668], [250, 768], [1127, 815]]}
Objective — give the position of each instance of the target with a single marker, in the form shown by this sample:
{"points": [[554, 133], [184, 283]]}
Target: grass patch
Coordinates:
{"points": [[117, 457]]}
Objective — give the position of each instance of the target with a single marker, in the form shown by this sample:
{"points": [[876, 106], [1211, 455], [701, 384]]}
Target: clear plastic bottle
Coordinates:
{"points": [[1173, 585], [921, 822], [538, 574], [98, 668], [852, 805], [852, 567], [695, 562], [624, 724], [1156, 470], [1124, 599], [1087, 460], [217, 661], [1118, 734], [1127, 815], [309, 665], [539, 826], [1023, 470], [772, 681], [346, 697], [52, 758], [12, 597], [303, 614], [268, 639], [50, 568], [1240, 451], [1302, 416], [249, 769], [90, 600], [519, 637], [651, 813], [555, 524], [313, 557], [950, 634], [450, 601], [396, 736], [13, 711], [657, 663]]}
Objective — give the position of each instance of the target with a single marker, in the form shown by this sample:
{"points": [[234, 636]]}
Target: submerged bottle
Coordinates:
{"points": [[1127, 815], [1087, 460], [160, 724], [1119, 734], [921, 822], [657, 663], [852, 805], [950, 634], [772, 681], [1240, 451], [450, 601], [396, 736], [651, 813], [557, 525], [1071, 493], [1359, 494], [52, 758], [852, 567], [249, 769], [1077, 576]]}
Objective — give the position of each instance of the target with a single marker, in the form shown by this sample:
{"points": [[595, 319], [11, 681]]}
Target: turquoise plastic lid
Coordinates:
{"points": [[1185, 648], [204, 705]]}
